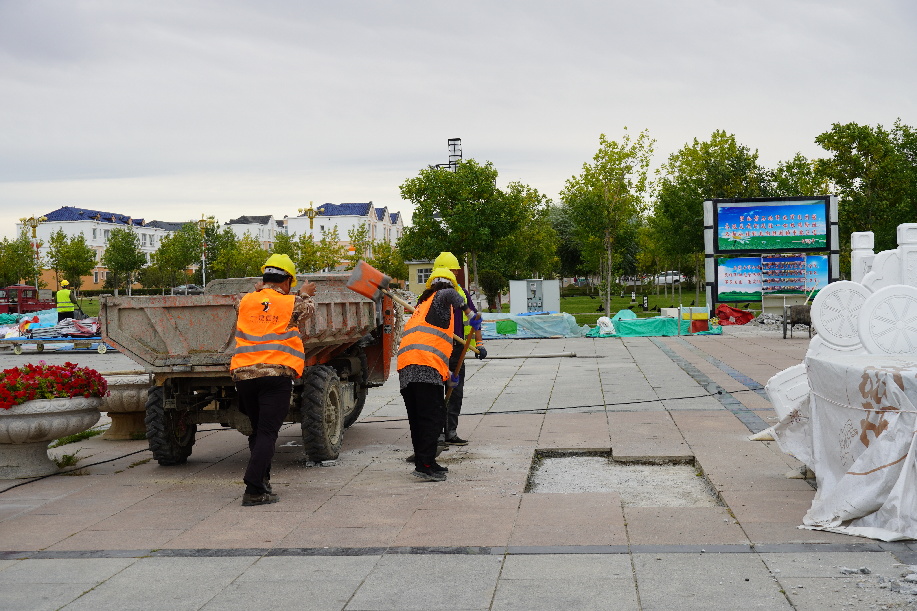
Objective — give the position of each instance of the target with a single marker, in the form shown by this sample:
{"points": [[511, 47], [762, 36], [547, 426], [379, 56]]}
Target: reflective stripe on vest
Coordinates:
{"points": [[425, 344], [263, 335], [64, 304]]}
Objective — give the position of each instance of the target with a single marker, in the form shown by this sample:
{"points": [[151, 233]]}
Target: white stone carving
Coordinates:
{"points": [[888, 321], [835, 312]]}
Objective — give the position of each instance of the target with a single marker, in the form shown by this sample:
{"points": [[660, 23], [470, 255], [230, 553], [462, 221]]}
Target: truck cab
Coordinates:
{"points": [[23, 299]]}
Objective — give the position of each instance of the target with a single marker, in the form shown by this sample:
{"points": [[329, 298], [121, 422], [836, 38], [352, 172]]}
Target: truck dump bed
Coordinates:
{"points": [[195, 333]]}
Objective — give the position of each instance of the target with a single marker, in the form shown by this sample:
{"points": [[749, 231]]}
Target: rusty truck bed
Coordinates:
{"points": [[195, 333]]}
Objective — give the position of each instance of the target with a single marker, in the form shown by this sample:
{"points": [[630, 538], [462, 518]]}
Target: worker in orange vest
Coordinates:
{"points": [[268, 356], [423, 367]]}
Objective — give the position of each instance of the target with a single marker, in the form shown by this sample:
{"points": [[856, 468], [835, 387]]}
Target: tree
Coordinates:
{"points": [[606, 200], [462, 212], [717, 168], [329, 252], [388, 260], [798, 176], [177, 251], [571, 260], [875, 173], [17, 260], [123, 257], [493, 283], [238, 257], [70, 257], [531, 249], [361, 243]]}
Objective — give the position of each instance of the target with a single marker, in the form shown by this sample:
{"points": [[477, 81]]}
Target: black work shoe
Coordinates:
{"points": [[250, 500], [455, 440], [267, 486], [438, 468], [427, 474]]}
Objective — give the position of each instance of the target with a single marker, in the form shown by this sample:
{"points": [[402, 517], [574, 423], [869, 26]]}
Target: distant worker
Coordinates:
{"points": [[269, 355], [423, 367], [64, 298], [461, 328]]}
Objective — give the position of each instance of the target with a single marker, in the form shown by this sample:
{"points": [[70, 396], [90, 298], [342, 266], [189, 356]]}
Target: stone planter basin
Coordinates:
{"points": [[126, 406], [26, 430]]}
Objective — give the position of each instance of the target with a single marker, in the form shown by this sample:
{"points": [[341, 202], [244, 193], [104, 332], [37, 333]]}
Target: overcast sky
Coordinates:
{"points": [[171, 109]]}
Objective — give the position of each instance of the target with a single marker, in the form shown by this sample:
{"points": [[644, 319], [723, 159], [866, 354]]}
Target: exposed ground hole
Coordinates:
{"points": [[649, 483]]}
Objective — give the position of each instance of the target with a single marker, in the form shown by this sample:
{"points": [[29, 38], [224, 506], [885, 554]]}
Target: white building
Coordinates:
{"points": [[380, 223], [95, 227], [262, 228]]}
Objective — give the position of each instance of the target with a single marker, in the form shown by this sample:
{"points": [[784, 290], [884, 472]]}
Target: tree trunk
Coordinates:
{"points": [[608, 244]]}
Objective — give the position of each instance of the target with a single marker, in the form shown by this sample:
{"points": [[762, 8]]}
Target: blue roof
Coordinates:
{"points": [[345, 209], [69, 213], [393, 217], [380, 214]]}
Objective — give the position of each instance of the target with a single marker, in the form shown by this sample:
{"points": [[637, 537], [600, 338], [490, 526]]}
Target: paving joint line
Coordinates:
{"points": [[735, 374], [751, 420], [899, 548]]}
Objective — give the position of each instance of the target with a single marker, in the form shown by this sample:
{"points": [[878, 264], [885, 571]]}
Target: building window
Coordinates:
{"points": [[143, 239], [95, 276], [321, 228], [423, 274], [95, 233], [105, 235]]}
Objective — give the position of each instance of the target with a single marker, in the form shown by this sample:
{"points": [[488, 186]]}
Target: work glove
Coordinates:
{"points": [[453, 381], [475, 322], [482, 353]]}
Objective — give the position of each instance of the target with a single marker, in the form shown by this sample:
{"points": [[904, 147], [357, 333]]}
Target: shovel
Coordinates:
{"points": [[372, 284]]}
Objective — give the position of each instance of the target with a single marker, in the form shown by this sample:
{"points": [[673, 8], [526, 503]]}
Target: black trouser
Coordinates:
{"points": [[454, 407], [426, 413], [266, 402]]}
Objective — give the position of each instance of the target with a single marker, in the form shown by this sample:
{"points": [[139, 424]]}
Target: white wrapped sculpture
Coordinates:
{"points": [[850, 410]]}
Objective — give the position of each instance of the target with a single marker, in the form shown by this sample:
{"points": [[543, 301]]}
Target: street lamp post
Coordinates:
{"points": [[34, 223], [311, 214], [203, 224]]}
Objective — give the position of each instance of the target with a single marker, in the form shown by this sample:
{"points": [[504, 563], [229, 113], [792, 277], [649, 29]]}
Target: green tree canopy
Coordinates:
{"points": [[17, 260], [605, 201], [875, 173], [463, 212], [70, 257], [123, 256]]}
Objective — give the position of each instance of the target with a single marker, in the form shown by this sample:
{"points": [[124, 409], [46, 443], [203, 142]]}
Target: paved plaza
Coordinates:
{"points": [[121, 532]]}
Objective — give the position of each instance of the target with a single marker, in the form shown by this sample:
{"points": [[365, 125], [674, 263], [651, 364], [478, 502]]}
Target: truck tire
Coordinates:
{"points": [[168, 432], [360, 391], [322, 414]]}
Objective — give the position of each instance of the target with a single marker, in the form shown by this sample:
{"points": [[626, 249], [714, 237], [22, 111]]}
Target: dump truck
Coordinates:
{"points": [[186, 342]]}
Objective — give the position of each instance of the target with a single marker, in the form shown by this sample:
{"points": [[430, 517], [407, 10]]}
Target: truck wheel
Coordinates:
{"points": [[359, 393], [322, 414], [169, 432]]}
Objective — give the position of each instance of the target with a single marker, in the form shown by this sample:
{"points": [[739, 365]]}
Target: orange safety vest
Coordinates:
{"points": [[263, 334], [426, 344]]}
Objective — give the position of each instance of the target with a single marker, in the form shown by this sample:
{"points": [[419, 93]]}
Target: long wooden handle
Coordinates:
{"points": [[410, 309], [458, 366]]}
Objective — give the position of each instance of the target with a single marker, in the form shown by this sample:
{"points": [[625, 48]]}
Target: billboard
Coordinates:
{"points": [[771, 225], [747, 278]]}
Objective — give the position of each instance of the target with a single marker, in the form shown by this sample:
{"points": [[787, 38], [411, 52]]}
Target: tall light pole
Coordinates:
{"points": [[203, 224], [34, 223], [311, 214]]}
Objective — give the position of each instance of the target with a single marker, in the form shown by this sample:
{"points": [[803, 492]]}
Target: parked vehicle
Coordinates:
{"points": [[669, 277], [188, 289], [186, 342], [23, 299]]}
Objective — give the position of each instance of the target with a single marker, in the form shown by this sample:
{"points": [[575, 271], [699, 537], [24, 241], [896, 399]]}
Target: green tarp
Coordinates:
{"points": [[647, 327]]}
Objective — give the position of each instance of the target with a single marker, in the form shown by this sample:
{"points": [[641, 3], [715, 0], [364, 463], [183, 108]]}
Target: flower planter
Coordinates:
{"points": [[26, 430], [126, 406]]}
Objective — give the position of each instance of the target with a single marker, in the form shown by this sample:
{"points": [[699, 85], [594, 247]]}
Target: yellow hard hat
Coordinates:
{"points": [[64, 283], [442, 272], [283, 263], [447, 260]]}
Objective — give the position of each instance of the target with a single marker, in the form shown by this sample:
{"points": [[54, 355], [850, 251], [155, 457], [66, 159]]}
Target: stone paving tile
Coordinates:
{"points": [[682, 525], [483, 521], [768, 506], [645, 434], [734, 581], [163, 583], [590, 518], [231, 529], [134, 538], [426, 583], [772, 532], [575, 431]]}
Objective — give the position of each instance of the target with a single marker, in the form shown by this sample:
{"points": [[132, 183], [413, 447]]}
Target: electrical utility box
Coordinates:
{"points": [[534, 295]]}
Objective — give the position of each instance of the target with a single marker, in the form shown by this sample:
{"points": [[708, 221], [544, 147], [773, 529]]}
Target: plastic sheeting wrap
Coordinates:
{"points": [[857, 433], [529, 326], [658, 326]]}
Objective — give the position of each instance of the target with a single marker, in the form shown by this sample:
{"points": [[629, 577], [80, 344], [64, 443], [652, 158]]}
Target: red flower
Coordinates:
{"points": [[21, 384]]}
